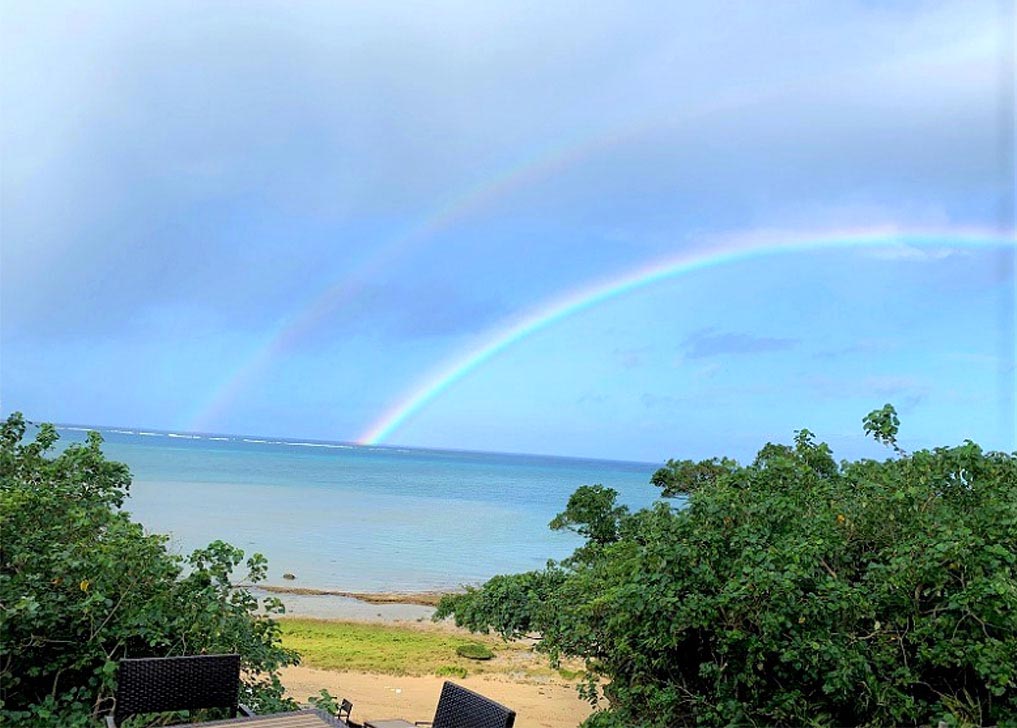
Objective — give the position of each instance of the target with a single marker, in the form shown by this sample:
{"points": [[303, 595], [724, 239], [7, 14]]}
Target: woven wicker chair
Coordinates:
{"points": [[460, 708], [162, 684], [345, 708]]}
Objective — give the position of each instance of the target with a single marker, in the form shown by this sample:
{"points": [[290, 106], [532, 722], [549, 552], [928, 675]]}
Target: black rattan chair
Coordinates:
{"points": [[343, 714], [461, 708], [163, 684]]}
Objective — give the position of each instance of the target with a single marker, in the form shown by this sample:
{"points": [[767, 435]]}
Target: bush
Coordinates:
{"points": [[451, 671], [324, 700], [792, 591], [474, 651], [82, 586]]}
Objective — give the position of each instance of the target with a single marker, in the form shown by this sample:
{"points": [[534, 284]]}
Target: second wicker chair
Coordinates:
{"points": [[163, 684]]}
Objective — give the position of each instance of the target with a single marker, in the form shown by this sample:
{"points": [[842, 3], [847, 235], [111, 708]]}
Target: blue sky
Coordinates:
{"points": [[182, 182]]}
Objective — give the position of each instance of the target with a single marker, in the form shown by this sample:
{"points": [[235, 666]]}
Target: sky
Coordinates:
{"points": [[406, 223]]}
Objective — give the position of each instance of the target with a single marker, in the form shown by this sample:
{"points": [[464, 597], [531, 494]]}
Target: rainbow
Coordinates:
{"points": [[734, 250]]}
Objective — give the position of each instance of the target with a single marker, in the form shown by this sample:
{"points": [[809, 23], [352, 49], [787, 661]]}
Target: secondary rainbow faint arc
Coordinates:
{"points": [[546, 161], [455, 209], [306, 316], [561, 307]]}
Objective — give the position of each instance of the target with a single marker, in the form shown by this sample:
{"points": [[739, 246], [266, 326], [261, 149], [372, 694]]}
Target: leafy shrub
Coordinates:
{"points": [[791, 591], [326, 701], [82, 586], [452, 671], [474, 651]]}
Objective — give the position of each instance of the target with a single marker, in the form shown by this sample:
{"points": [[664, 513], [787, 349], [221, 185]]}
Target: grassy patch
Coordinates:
{"points": [[399, 650], [474, 651], [451, 671]]}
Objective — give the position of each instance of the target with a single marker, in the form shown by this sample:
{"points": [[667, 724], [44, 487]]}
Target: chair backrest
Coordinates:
{"points": [[345, 708], [462, 708], [160, 684]]}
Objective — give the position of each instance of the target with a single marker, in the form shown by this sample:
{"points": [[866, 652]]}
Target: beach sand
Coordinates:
{"points": [[539, 701], [553, 704]]}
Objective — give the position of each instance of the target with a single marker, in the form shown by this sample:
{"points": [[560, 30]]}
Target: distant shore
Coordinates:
{"points": [[335, 604], [426, 599]]}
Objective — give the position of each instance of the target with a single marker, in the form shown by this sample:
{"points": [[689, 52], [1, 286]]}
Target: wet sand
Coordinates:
{"points": [[427, 599], [347, 606]]}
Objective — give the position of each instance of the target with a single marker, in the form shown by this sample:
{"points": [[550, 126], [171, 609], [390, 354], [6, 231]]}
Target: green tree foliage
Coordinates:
{"points": [[82, 586], [792, 591]]}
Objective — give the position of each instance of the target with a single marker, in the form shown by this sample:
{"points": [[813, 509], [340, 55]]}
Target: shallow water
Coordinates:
{"points": [[368, 519]]}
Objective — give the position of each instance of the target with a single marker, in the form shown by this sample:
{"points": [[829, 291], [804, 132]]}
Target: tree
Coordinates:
{"points": [[82, 586], [791, 591]]}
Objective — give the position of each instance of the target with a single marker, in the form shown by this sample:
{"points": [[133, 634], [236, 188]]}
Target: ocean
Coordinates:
{"points": [[360, 518]]}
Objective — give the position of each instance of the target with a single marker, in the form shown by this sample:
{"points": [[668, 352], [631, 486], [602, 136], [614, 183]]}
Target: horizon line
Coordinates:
{"points": [[135, 430]]}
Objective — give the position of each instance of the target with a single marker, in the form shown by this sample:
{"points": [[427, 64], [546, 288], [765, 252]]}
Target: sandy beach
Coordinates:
{"points": [[549, 705], [518, 678]]}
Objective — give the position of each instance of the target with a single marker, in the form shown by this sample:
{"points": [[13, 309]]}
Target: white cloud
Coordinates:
{"points": [[914, 253]]}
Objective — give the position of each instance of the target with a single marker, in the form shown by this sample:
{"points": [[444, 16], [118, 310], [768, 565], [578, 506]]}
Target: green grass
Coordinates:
{"points": [[451, 671], [474, 651], [397, 650]]}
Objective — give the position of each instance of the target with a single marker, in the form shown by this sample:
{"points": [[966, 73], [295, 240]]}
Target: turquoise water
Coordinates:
{"points": [[361, 518]]}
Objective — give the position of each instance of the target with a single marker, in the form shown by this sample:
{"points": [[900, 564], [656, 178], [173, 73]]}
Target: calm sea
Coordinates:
{"points": [[360, 518]]}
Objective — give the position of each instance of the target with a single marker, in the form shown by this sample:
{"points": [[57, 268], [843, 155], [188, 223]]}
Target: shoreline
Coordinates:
{"points": [[423, 599], [339, 605]]}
